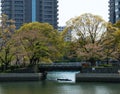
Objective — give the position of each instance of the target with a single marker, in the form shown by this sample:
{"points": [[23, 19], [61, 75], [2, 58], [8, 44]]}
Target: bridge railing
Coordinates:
{"points": [[60, 64]]}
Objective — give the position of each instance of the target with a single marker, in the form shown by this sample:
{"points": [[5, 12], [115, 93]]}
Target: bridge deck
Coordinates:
{"points": [[60, 67]]}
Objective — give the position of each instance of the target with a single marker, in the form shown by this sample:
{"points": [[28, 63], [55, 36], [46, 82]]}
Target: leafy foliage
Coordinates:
{"points": [[90, 31], [39, 42], [7, 29]]}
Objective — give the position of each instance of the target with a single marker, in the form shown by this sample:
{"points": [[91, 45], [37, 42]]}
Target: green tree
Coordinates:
{"points": [[114, 30], [117, 45], [38, 42], [108, 43], [7, 29], [90, 30], [5, 57]]}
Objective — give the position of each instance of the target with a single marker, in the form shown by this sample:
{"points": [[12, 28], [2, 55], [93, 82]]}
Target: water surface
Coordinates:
{"points": [[52, 86]]}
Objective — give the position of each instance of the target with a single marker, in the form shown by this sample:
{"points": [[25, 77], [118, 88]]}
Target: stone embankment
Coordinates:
{"points": [[98, 75], [8, 77]]}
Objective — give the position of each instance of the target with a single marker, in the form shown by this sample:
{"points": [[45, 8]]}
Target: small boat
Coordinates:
{"points": [[64, 80]]}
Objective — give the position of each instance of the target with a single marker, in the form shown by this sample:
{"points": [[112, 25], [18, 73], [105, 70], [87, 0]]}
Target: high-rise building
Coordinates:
{"points": [[25, 11], [68, 35], [114, 10]]}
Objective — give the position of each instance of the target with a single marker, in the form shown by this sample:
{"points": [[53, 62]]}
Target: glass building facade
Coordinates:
{"points": [[33, 10], [25, 11], [114, 10]]}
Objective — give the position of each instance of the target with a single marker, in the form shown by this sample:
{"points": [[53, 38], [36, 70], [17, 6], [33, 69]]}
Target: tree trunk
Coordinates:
{"points": [[92, 61]]}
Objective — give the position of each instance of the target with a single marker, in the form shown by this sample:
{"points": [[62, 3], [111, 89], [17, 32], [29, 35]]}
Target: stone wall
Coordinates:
{"points": [[97, 77], [10, 77], [100, 70]]}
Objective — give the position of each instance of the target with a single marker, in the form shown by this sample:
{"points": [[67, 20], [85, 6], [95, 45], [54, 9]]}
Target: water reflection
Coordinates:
{"points": [[48, 87], [99, 88]]}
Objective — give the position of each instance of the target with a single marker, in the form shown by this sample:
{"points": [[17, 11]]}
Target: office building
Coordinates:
{"points": [[68, 35], [61, 28], [114, 10], [25, 11]]}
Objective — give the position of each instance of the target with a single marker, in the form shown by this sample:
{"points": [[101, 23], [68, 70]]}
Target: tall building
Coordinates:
{"points": [[114, 10], [25, 11], [68, 35]]}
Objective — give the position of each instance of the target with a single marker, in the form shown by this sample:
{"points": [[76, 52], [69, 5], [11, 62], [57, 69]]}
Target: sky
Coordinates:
{"points": [[72, 8]]}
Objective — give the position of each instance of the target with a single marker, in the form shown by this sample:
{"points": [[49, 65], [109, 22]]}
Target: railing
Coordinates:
{"points": [[60, 66]]}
